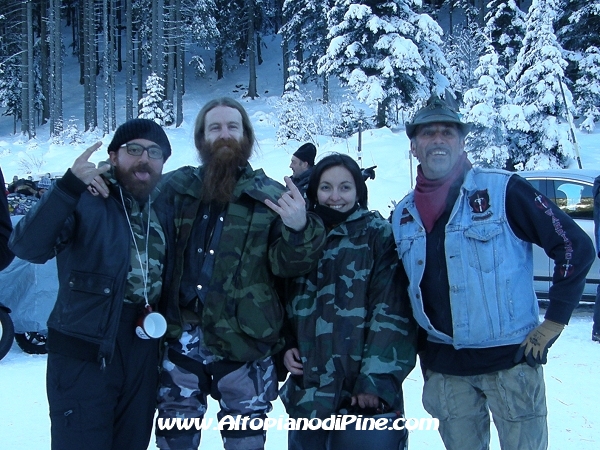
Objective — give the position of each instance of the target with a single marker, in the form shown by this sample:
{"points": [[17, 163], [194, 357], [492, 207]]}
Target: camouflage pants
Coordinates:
{"points": [[190, 372]]}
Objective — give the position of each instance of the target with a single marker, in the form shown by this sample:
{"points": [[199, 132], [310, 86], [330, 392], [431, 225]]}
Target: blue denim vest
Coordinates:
{"points": [[490, 270]]}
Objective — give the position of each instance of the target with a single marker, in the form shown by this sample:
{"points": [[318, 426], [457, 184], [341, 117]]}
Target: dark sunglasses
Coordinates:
{"points": [[154, 151]]}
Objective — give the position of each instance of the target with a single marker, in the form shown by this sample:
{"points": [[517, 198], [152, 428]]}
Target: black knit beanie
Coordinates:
{"points": [[140, 129], [307, 153]]}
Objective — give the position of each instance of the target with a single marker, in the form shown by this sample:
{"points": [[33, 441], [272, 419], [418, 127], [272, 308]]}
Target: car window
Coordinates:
{"points": [[538, 184], [574, 198]]}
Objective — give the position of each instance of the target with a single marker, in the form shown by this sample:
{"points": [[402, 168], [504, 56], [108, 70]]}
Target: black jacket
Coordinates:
{"points": [[6, 256], [91, 240], [302, 180]]}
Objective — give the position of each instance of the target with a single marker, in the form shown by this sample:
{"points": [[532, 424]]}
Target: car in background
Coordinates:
{"points": [[571, 190], [27, 297]]}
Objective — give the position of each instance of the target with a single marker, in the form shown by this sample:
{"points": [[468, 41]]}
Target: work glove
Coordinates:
{"points": [[534, 348]]}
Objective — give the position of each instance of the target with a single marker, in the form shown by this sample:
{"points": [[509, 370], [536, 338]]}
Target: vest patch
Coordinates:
{"points": [[406, 217], [480, 205]]}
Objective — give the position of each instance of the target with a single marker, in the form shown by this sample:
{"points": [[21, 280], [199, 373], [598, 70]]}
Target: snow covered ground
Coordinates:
{"points": [[573, 392]]}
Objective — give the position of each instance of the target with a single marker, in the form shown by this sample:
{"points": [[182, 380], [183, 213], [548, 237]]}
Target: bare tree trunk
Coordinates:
{"points": [[219, 62], [129, 61], [25, 70], [94, 60], [55, 69], [285, 48], [139, 72], [107, 69], [171, 31], [114, 32], [251, 50], [44, 62], [180, 61], [30, 78]]}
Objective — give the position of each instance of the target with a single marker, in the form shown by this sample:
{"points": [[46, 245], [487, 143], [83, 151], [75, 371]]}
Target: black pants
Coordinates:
{"points": [[105, 409], [307, 439]]}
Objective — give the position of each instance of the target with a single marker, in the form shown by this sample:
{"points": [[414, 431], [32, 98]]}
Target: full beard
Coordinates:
{"points": [[222, 160], [139, 181]]}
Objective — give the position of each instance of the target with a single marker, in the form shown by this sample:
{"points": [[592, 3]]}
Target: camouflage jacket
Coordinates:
{"points": [[242, 316], [91, 239], [352, 321]]}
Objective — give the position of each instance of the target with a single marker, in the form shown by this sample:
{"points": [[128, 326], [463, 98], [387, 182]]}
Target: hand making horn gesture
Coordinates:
{"points": [[85, 170], [291, 207]]}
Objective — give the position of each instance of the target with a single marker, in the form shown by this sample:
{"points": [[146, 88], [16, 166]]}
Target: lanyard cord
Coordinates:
{"points": [[137, 251]]}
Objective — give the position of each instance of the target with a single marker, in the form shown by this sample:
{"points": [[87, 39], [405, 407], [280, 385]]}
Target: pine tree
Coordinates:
{"points": [[292, 111], [463, 50], [383, 51], [487, 142], [505, 27], [305, 30], [536, 85], [577, 32], [151, 104], [577, 25], [587, 89], [10, 92]]}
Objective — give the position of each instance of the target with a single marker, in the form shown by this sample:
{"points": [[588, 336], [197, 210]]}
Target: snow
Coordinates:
{"points": [[572, 387]]}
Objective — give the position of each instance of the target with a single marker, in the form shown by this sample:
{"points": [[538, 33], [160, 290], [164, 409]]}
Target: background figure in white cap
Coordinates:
{"points": [[42, 186], [303, 161], [465, 237], [102, 377]]}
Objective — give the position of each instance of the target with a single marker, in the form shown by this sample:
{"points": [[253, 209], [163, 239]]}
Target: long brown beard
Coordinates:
{"points": [[221, 161]]}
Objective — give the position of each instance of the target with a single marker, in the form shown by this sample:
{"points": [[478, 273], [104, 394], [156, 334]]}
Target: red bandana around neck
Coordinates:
{"points": [[431, 195]]}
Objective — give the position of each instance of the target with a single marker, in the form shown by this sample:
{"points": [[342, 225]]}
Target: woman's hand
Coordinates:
{"points": [[365, 400], [291, 360]]}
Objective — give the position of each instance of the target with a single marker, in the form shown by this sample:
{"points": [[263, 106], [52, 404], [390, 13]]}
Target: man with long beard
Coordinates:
{"points": [[102, 369], [235, 231]]}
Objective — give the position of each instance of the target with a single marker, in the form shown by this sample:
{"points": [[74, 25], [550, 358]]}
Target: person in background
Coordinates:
{"points": [[6, 255], [303, 161], [42, 186], [596, 317], [12, 186], [26, 187], [465, 236], [353, 339], [102, 371], [235, 230]]}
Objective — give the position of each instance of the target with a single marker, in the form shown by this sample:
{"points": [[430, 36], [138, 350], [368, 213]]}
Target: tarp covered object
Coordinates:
{"points": [[29, 290]]}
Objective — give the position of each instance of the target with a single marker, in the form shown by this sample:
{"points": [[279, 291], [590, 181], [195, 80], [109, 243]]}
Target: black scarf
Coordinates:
{"points": [[331, 217]]}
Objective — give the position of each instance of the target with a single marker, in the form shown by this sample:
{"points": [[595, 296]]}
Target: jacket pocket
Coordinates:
{"points": [[88, 309], [403, 245], [483, 241], [261, 320]]}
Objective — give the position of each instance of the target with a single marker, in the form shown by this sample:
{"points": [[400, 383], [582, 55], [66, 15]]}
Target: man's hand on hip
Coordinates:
{"points": [[534, 348]]}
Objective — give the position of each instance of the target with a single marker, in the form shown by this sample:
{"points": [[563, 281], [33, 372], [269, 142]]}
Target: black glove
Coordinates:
{"points": [[369, 172]]}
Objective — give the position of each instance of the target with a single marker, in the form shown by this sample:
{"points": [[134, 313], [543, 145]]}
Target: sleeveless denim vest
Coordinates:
{"points": [[490, 270]]}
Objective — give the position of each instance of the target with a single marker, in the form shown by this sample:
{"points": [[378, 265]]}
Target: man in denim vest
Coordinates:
{"points": [[465, 236]]}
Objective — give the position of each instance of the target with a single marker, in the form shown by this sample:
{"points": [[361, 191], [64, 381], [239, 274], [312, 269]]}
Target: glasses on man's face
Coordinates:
{"points": [[154, 151]]}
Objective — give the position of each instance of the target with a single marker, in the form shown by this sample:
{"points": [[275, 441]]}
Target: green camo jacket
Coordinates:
{"points": [[352, 321], [242, 315]]}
